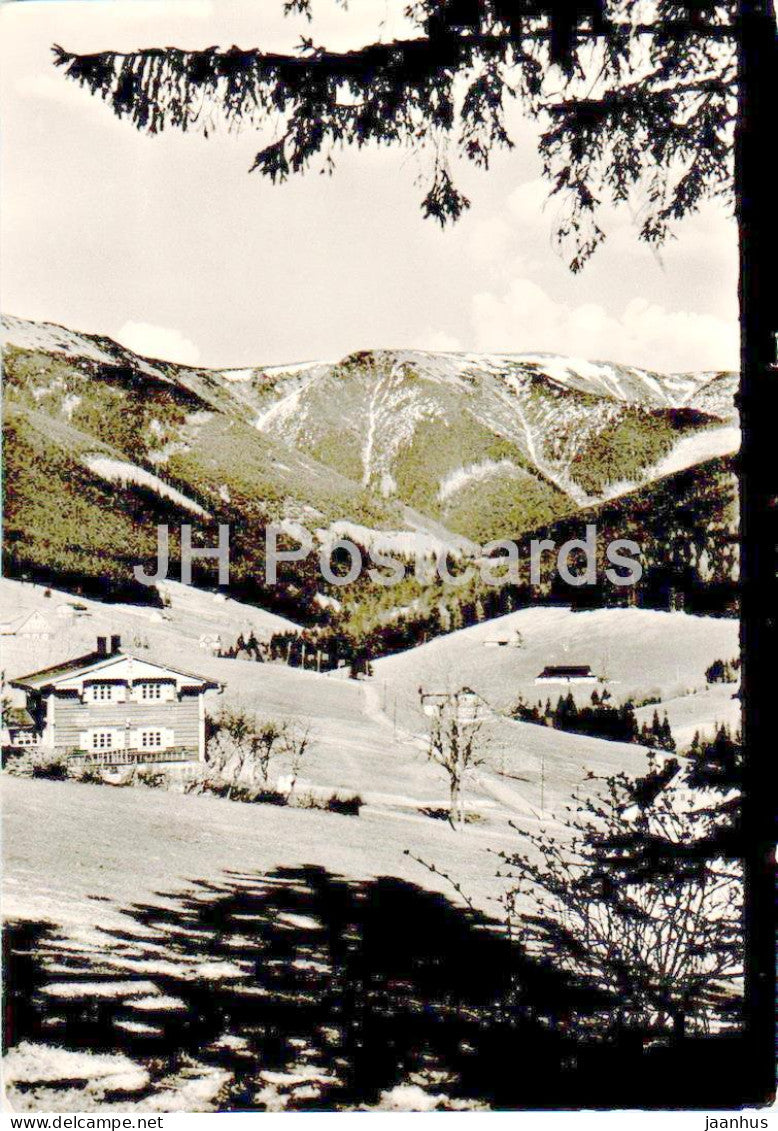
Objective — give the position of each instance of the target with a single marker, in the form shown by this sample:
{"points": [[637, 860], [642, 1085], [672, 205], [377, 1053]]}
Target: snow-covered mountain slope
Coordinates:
{"points": [[489, 443], [604, 639], [101, 446], [401, 450]]}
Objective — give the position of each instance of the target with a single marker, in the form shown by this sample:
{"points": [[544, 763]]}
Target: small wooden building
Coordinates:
{"points": [[115, 709], [567, 673]]}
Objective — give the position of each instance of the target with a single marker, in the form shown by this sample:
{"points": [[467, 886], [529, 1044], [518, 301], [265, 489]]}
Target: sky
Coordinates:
{"points": [[170, 246]]}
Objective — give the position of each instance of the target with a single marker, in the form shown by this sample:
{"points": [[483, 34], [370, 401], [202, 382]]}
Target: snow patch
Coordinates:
{"points": [[409, 543], [121, 471], [294, 369], [52, 339], [688, 452], [279, 412], [473, 473], [236, 375], [69, 404], [163, 454]]}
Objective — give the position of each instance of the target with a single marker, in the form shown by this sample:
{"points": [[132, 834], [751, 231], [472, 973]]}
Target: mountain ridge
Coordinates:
{"points": [[406, 451]]}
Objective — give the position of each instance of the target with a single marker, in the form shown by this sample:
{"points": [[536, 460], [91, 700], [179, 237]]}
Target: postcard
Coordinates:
{"points": [[389, 580]]}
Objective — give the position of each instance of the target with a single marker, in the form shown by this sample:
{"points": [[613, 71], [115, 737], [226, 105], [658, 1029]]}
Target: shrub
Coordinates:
{"points": [[203, 779], [17, 761], [270, 797], [206, 779], [87, 773], [470, 818], [49, 764], [152, 777], [348, 805]]}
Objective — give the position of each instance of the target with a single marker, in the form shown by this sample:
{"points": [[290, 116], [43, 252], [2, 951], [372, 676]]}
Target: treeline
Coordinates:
{"points": [[723, 671], [600, 718], [687, 530], [314, 649]]}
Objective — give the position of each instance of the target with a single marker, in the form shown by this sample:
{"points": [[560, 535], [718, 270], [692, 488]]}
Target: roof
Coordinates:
{"points": [[96, 661], [60, 669], [569, 671], [18, 718]]}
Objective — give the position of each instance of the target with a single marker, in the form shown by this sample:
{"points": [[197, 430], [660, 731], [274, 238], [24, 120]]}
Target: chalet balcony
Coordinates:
{"points": [[125, 757]]}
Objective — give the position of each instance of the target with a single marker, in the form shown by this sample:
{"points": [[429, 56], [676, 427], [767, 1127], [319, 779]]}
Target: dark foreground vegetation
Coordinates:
{"points": [[339, 992]]}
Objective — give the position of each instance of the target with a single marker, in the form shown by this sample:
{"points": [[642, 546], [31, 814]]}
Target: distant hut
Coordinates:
{"points": [[567, 674]]}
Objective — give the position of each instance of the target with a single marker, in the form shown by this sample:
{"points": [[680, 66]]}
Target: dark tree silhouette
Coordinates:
{"points": [[623, 101], [626, 100]]}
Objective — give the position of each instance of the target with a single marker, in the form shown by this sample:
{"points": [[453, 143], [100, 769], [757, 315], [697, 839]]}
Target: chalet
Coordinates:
{"points": [[465, 705], [116, 709], [567, 673]]}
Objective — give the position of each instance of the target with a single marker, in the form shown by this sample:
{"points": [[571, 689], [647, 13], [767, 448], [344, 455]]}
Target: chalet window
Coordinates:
{"points": [[103, 692], [151, 691], [102, 740], [151, 739]]}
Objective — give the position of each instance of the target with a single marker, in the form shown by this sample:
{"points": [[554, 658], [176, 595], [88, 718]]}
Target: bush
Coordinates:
{"points": [[348, 805], [208, 780], [152, 777], [470, 818], [269, 797], [49, 764], [87, 773]]}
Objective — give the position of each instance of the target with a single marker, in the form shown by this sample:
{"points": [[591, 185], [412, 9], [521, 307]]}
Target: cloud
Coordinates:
{"points": [[676, 311], [488, 240], [158, 342], [529, 201], [525, 318]]}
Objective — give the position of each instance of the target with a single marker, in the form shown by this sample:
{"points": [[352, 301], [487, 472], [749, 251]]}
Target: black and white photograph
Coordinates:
{"points": [[388, 619]]}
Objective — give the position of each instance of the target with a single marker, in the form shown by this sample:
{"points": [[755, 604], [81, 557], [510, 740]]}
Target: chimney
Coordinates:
{"points": [[102, 646], [116, 643]]}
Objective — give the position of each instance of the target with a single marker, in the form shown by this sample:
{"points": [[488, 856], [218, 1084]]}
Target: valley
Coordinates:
{"points": [[415, 454]]}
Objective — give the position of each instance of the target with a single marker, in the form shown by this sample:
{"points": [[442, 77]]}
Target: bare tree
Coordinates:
{"points": [[454, 745], [296, 739], [268, 741], [245, 747], [233, 743]]}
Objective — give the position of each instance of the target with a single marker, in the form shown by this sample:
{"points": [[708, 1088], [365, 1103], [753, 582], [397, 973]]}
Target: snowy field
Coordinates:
{"points": [[106, 897], [637, 653]]}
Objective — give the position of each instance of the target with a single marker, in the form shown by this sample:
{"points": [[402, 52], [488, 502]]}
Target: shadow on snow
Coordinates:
{"points": [[327, 992]]}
